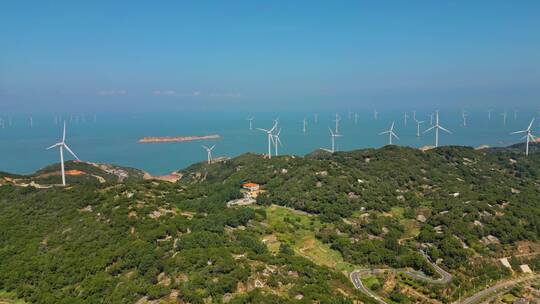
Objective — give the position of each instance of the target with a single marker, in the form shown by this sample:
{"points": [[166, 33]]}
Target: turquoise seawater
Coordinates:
{"points": [[112, 138]]}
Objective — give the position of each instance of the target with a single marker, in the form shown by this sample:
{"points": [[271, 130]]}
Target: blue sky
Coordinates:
{"points": [[99, 55]]}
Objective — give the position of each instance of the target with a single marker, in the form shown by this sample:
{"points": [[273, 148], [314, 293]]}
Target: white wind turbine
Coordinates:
{"points": [[304, 125], [414, 115], [63, 145], [418, 123], [464, 117], [527, 136], [405, 117], [333, 135], [270, 137], [437, 126], [277, 141], [209, 152], [515, 114], [250, 123], [337, 123], [355, 118], [316, 117], [489, 113], [431, 119], [375, 114], [390, 133], [504, 114]]}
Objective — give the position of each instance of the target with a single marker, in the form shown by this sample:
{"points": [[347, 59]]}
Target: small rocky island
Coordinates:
{"points": [[145, 140]]}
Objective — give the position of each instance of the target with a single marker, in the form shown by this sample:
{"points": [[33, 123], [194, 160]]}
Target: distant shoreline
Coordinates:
{"points": [[146, 140]]}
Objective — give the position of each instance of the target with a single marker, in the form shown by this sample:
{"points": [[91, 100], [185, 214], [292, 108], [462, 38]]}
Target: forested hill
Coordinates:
{"points": [[140, 240]]}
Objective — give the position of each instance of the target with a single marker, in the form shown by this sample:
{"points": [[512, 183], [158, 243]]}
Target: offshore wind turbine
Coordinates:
{"points": [[414, 115], [250, 123], [515, 114], [405, 116], [418, 123], [375, 114], [304, 125], [62, 145], [337, 123], [527, 136], [270, 137], [31, 122], [209, 152], [504, 114], [355, 118], [437, 126], [277, 141], [464, 117], [489, 113], [390, 133], [316, 117]]}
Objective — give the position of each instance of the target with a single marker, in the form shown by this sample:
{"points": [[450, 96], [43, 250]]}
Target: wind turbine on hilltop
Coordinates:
{"points": [[277, 141], [270, 137], [390, 133], [63, 145], [209, 151], [527, 136], [437, 126], [333, 135], [250, 123], [418, 123]]}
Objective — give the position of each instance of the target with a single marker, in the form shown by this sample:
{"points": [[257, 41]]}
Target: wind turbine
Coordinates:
{"points": [[504, 114], [414, 115], [437, 126], [375, 114], [464, 117], [528, 136], [31, 122], [489, 113], [209, 151], [316, 117], [250, 123], [405, 116], [304, 125], [333, 135], [63, 145], [431, 119], [515, 114], [418, 123], [270, 137], [277, 141], [355, 118], [337, 123], [390, 133]]}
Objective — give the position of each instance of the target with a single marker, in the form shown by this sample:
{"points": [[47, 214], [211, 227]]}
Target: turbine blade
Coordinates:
{"points": [[530, 125], [64, 134], [72, 153], [264, 130], [384, 132], [53, 146], [429, 129], [394, 134], [517, 132], [440, 127]]}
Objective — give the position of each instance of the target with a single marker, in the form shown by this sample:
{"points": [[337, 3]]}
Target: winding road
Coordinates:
{"points": [[496, 289], [356, 275]]}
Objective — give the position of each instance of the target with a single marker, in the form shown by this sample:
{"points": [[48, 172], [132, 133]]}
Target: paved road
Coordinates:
{"points": [[357, 274], [496, 289]]}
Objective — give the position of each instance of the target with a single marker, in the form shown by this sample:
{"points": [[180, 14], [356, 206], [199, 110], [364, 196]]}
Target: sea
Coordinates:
{"points": [[112, 137]]}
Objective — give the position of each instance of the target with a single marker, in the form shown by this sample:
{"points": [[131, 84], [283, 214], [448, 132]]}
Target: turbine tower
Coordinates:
{"points": [[390, 133], [464, 117], [375, 114], [250, 123], [304, 125], [418, 123], [489, 113], [63, 145], [209, 151], [437, 126], [504, 114], [527, 136], [270, 137], [355, 118], [277, 141]]}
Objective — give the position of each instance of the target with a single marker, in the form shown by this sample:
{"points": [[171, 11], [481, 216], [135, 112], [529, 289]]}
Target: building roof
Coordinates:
{"points": [[250, 185]]}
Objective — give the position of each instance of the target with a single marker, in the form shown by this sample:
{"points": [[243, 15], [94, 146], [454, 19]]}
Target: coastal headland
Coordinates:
{"points": [[146, 140]]}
